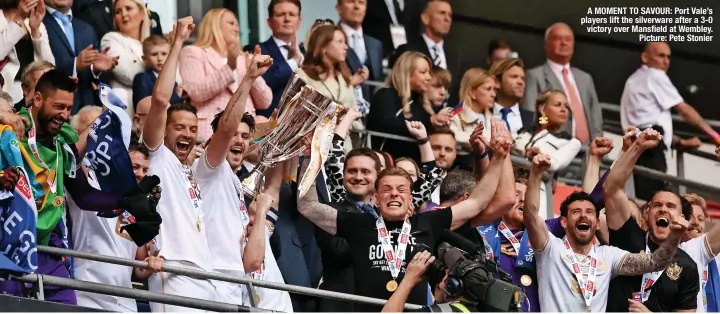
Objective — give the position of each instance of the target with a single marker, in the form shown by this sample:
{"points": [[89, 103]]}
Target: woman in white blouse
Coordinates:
{"points": [[546, 135], [132, 26], [21, 24]]}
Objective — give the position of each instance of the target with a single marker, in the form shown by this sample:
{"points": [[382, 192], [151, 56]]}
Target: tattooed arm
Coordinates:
{"points": [[641, 263], [323, 216]]}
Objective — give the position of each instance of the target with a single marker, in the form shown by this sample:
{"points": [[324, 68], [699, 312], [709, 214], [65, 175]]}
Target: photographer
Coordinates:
{"points": [[415, 274]]}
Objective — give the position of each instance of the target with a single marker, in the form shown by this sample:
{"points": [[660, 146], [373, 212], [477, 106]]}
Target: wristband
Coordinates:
{"points": [[272, 215], [422, 141], [484, 154]]}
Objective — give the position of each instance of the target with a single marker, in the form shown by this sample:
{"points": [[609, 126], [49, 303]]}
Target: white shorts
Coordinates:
{"points": [[180, 286]]}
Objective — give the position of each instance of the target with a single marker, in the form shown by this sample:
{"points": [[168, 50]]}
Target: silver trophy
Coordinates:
{"points": [[300, 110]]}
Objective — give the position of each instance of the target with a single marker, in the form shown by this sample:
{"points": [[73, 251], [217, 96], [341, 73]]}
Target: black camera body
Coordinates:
{"points": [[473, 277]]}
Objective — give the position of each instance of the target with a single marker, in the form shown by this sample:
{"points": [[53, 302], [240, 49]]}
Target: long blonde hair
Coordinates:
{"points": [[146, 23], [209, 32], [400, 77]]}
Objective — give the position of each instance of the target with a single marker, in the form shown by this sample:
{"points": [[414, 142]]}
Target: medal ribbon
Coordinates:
{"points": [[505, 231], [32, 143], [587, 287], [394, 259], [648, 279], [703, 283], [488, 250], [259, 274], [193, 192]]}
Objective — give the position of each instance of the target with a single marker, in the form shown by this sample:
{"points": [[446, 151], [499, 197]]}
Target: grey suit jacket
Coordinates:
{"points": [[542, 78]]}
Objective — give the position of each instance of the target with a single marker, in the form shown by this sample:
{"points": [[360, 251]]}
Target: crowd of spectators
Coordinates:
{"points": [[190, 112]]}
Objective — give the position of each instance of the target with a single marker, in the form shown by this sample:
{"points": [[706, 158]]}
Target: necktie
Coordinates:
{"points": [[581, 127], [505, 112], [359, 49], [67, 28], [712, 288], [436, 56], [289, 52]]}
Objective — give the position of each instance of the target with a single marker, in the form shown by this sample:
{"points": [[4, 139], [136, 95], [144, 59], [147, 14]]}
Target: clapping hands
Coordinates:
{"points": [[501, 140]]}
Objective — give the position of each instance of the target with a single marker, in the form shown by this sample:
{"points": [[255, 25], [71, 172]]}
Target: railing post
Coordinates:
{"points": [[680, 163], [41, 288]]}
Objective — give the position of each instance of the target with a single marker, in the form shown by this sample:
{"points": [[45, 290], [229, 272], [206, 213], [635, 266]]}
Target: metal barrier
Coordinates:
{"points": [[250, 283], [124, 292]]}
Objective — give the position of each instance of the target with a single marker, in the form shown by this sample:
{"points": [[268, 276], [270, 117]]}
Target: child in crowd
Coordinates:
{"points": [[155, 50], [439, 86]]}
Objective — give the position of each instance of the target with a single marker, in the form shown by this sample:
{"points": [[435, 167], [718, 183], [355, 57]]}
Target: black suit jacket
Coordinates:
{"points": [[99, 14], [374, 50], [143, 85], [527, 118], [453, 60], [377, 21], [65, 57]]}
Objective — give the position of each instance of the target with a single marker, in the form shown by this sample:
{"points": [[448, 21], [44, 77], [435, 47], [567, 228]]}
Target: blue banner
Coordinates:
{"points": [[18, 241], [107, 158]]}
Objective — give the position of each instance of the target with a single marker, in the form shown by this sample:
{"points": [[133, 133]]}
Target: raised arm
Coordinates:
{"points": [[335, 164], [641, 263], [599, 147], [534, 224], [504, 198], [486, 187], [230, 120], [154, 129], [479, 151], [323, 216], [617, 206]]}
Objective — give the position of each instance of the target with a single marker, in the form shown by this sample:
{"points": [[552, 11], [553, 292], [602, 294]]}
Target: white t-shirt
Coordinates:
{"points": [[646, 100], [699, 250], [96, 235], [271, 299], [179, 238], [221, 210], [559, 289]]}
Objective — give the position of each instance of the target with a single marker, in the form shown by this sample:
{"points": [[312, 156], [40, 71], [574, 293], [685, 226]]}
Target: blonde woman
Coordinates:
{"points": [[402, 99], [213, 68], [132, 26], [477, 96]]}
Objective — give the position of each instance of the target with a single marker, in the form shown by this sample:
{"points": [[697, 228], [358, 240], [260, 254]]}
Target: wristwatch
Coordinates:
{"points": [[422, 141], [484, 154]]}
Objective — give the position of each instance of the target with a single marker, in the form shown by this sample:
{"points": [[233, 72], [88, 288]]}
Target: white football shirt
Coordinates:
{"points": [[699, 250], [182, 233], [559, 288], [96, 235]]}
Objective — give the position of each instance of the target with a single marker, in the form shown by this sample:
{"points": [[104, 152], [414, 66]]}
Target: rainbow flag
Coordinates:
{"points": [[14, 152]]}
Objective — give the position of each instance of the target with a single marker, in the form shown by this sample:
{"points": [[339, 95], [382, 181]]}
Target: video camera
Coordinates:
{"points": [[472, 276]]}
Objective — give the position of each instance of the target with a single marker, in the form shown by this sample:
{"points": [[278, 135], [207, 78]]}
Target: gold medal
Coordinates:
{"points": [[526, 280], [391, 286], [256, 296], [57, 201]]}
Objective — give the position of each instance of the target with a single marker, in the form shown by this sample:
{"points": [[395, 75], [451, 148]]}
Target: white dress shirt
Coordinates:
{"points": [[285, 52], [647, 99], [356, 41], [513, 118], [436, 48]]}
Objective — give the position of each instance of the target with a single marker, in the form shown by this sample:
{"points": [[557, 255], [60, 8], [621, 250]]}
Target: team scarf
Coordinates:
{"points": [[107, 159], [46, 169], [712, 288], [17, 236]]}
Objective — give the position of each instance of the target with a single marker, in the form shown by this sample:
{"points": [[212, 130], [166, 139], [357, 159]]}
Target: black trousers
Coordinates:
{"points": [[653, 158]]}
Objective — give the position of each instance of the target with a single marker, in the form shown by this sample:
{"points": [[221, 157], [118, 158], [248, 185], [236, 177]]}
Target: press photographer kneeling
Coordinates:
{"points": [[468, 284]]}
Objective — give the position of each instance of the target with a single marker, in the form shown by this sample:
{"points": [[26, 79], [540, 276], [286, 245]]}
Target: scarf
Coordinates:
{"points": [[60, 162]]}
